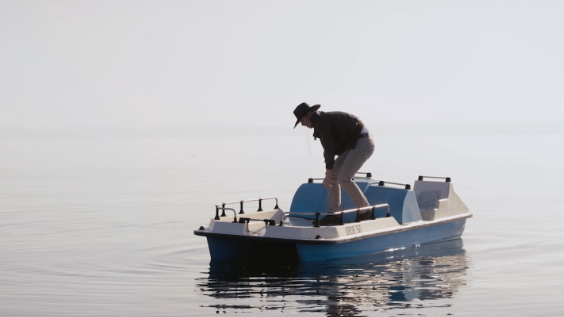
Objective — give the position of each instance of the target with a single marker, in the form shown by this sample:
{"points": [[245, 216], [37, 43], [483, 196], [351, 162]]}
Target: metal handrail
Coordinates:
{"points": [[383, 183], [224, 208], [244, 201], [271, 222], [310, 180], [447, 179], [340, 213], [368, 174]]}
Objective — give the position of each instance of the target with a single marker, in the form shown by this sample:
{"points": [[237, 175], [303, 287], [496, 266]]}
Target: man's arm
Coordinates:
{"points": [[328, 144], [327, 180]]}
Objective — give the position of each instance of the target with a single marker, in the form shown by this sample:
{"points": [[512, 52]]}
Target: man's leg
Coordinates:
{"points": [[334, 192], [352, 163]]}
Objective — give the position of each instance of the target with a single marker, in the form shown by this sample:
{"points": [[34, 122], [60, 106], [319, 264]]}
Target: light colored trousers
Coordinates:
{"points": [[344, 169]]}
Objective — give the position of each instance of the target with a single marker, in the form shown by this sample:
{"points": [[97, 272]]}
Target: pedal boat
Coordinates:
{"points": [[398, 217]]}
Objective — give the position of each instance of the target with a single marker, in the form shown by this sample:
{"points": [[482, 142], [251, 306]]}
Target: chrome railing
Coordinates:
{"points": [[341, 213], [310, 180], [447, 179], [224, 208], [383, 183], [241, 202]]}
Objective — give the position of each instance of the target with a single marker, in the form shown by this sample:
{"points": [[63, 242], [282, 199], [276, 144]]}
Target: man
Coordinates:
{"points": [[341, 134]]}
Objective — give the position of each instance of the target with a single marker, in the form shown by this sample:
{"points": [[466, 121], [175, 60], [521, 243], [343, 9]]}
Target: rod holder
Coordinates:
{"points": [[241, 211]]}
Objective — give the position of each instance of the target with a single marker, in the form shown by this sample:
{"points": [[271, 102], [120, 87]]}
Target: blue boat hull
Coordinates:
{"points": [[440, 232], [226, 247]]}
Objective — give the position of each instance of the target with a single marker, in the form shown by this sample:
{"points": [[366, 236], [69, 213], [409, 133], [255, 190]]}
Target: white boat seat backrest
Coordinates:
{"points": [[428, 192]]}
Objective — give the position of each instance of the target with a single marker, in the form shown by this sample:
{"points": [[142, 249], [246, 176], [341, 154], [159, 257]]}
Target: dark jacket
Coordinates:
{"points": [[338, 132]]}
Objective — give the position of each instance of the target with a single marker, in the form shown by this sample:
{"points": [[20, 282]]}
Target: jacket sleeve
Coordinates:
{"points": [[328, 144]]}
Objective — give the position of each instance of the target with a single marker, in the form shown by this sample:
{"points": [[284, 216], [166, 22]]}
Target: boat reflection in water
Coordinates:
{"points": [[409, 278]]}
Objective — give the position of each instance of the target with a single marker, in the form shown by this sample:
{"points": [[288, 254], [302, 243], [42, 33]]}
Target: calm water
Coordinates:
{"points": [[103, 227]]}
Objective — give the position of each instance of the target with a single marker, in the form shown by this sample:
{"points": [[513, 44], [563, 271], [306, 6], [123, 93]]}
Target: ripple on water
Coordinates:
{"points": [[413, 277]]}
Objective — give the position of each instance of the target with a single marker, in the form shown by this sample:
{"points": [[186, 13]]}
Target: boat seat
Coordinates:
{"points": [[298, 222], [312, 198], [403, 204], [428, 192]]}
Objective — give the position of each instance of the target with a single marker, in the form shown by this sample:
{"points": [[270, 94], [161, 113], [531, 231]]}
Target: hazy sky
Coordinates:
{"points": [[182, 63]]}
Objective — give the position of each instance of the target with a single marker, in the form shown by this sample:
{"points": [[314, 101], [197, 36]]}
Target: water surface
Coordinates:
{"points": [[103, 227]]}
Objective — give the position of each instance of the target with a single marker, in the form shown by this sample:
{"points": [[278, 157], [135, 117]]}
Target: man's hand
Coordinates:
{"points": [[327, 180]]}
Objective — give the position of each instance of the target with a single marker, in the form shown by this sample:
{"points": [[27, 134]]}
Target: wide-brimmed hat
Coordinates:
{"points": [[302, 109]]}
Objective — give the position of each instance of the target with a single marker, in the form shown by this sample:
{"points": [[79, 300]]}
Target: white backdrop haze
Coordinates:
{"points": [[122, 124], [180, 64]]}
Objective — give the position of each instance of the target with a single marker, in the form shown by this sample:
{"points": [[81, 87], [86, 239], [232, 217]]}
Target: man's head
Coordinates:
{"points": [[303, 113]]}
